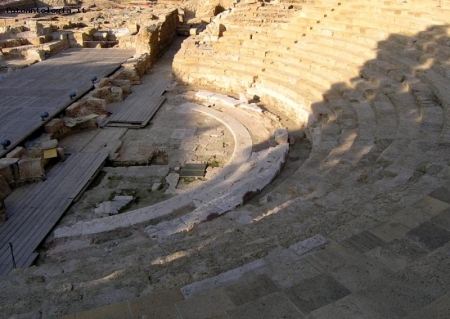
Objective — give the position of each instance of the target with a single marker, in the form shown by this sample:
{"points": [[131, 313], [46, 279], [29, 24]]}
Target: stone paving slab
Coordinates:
{"points": [[442, 194], [206, 305], [438, 309], [313, 293], [429, 236], [274, 306], [351, 307], [442, 220], [158, 305], [403, 292], [397, 254], [362, 242], [389, 231], [250, 288]]}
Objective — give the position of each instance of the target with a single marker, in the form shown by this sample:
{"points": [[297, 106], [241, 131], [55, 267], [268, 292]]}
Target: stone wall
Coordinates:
{"points": [[152, 39]]}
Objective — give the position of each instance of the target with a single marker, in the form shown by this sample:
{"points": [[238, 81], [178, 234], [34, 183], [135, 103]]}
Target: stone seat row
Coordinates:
{"points": [[413, 20], [404, 126], [280, 57], [355, 149]]}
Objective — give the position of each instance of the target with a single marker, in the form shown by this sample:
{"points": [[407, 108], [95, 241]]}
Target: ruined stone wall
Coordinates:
{"points": [[152, 39]]}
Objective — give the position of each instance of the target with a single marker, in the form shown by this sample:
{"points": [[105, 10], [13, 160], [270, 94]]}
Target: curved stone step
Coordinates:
{"points": [[205, 192], [250, 179]]}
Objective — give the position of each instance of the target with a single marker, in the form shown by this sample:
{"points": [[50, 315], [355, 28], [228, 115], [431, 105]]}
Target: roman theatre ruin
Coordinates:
{"points": [[230, 159]]}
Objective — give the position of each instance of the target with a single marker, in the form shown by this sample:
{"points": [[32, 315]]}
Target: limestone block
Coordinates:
{"points": [[35, 55], [193, 31], [125, 85], [128, 74], [99, 36], [252, 107], [89, 106], [36, 40], [97, 104], [281, 136], [60, 36], [54, 125], [243, 98], [18, 152], [73, 109], [5, 190], [102, 82], [50, 144], [117, 93], [133, 27], [79, 123], [31, 168], [36, 27], [103, 93], [172, 180], [81, 37], [9, 169], [156, 186], [61, 153]]}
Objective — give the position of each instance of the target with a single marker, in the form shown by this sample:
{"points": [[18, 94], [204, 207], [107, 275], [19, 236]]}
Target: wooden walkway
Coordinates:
{"points": [[138, 109], [46, 86], [34, 210]]}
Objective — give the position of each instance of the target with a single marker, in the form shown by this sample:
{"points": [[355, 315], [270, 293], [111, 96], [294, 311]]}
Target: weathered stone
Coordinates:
{"points": [[124, 84], [54, 125], [9, 169], [18, 152], [61, 153], [102, 82], [91, 105], [281, 136], [243, 98], [172, 180], [35, 55], [31, 168], [50, 144], [156, 186], [116, 93]]}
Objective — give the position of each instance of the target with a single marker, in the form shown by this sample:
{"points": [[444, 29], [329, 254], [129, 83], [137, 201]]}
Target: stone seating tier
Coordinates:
{"points": [[379, 109]]}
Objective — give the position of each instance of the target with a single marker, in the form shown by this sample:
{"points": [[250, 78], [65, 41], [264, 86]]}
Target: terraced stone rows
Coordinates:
{"points": [[363, 91], [379, 133]]}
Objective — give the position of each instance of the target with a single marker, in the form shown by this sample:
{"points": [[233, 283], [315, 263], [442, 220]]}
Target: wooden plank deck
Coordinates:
{"points": [[34, 210], [46, 86], [137, 110]]}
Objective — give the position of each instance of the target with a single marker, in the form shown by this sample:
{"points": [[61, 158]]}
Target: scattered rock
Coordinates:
{"points": [[281, 136], [156, 186], [113, 207]]}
